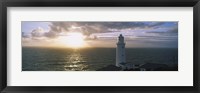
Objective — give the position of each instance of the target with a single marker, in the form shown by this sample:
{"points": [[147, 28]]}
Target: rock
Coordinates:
{"points": [[110, 68]]}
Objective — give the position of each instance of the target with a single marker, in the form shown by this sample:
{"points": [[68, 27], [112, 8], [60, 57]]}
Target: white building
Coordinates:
{"points": [[120, 52]]}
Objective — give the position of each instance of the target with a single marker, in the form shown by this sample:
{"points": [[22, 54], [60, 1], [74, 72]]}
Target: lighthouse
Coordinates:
{"points": [[120, 51]]}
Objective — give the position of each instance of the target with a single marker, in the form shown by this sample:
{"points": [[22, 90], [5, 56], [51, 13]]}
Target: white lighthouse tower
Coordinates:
{"points": [[120, 51]]}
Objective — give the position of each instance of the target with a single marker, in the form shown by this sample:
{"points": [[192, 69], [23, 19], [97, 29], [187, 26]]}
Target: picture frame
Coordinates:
{"points": [[103, 3]]}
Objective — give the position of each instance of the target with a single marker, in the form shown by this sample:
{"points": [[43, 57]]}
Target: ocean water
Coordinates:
{"points": [[91, 59]]}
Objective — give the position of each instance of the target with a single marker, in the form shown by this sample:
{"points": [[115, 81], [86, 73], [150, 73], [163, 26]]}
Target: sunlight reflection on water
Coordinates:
{"points": [[75, 62]]}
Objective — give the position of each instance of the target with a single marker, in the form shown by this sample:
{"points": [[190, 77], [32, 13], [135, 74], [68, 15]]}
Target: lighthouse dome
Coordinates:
{"points": [[120, 39]]}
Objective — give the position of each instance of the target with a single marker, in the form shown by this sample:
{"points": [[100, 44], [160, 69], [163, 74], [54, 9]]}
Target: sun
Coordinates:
{"points": [[74, 40]]}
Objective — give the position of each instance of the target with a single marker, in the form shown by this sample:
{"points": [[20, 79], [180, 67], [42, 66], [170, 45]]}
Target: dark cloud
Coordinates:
{"points": [[174, 30], [164, 28], [61, 26], [132, 25], [156, 24], [51, 34], [87, 28]]}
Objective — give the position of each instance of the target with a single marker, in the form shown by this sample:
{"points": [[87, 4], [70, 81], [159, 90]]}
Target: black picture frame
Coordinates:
{"points": [[100, 3]]}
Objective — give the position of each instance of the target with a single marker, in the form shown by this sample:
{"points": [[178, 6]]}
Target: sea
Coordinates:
{"points": [[91, 59]]}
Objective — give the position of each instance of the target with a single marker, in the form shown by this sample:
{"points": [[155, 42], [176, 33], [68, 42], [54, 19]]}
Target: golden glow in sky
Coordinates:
{"points": [[73, 40]]}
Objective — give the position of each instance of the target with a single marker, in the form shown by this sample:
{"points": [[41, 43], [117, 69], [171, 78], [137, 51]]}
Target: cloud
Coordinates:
{"points": [[163, 29], [60, 26], [132, 25], [174, 30], [25, 35], [155, 24], [51, 34], [88, 28], [38, 32]]}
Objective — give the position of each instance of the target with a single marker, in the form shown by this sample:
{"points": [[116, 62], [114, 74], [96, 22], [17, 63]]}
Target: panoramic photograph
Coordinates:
{"points": [[99, 45]]}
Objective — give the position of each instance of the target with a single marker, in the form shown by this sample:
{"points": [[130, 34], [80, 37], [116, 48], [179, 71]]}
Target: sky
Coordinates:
{"points": [[99, 34]]}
